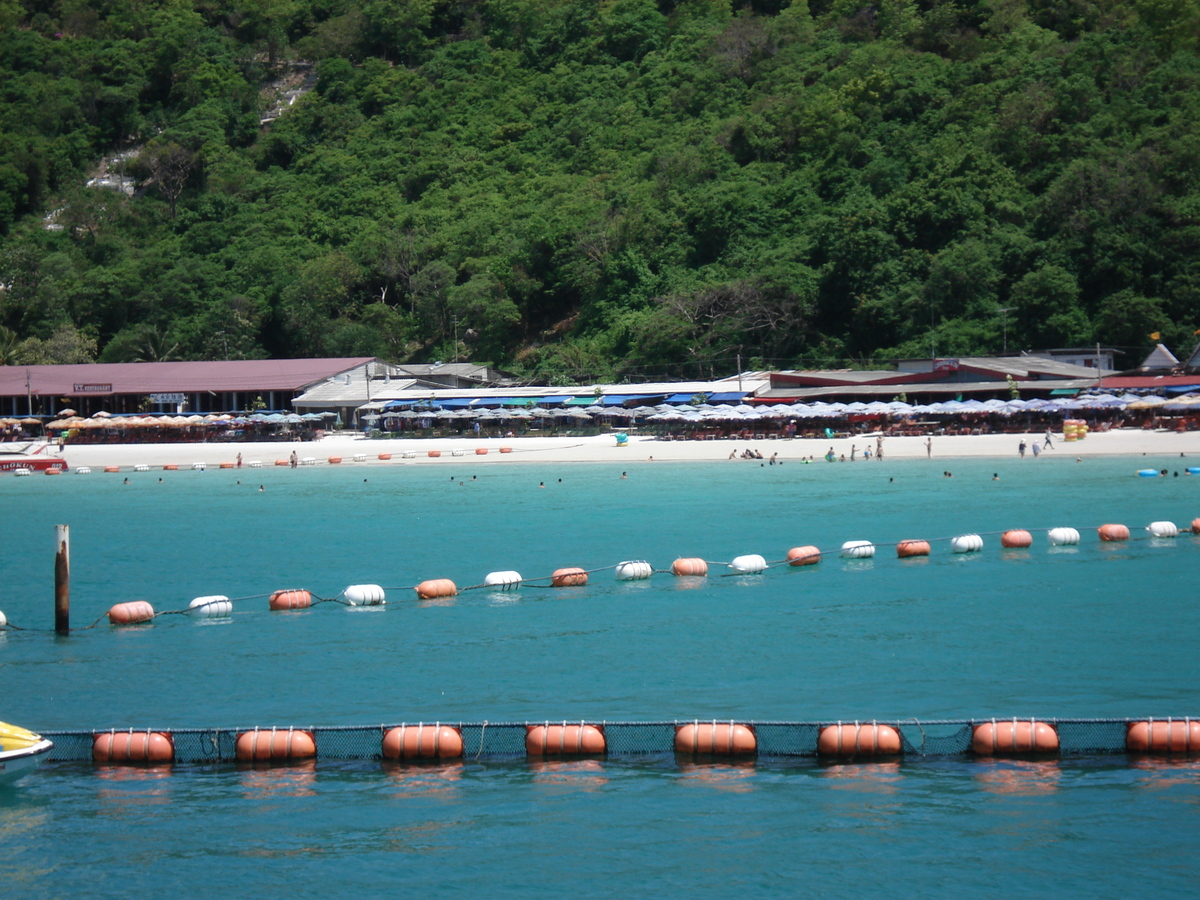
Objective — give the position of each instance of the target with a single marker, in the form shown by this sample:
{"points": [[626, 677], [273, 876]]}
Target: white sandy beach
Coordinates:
{"points": [[1158, 445]]}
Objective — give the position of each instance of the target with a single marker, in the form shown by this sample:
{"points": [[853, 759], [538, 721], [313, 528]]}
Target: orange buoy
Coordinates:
{"points": [[506, 449], [905, 549], [717, 738], [131, 613], [572, 576], [565, 740], [385, 456], [436, 587], [170, 467], [689, 566], [282, 462], [1169, 736], [859, 740], [1113, 532], [481, 451], [225, 465], [112, 468], [1011, 738], [434, 454], [133, 746], [334, 460], [290, 599], [261, 744], [803, 556], [53, 470], [1016, 539], [422, 742]]}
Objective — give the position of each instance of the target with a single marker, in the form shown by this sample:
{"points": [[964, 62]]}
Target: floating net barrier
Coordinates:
{"points": [[834, 739]]}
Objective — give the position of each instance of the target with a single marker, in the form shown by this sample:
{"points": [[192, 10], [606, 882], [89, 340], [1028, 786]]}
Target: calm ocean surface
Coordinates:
{"points": [[1094, 630]]}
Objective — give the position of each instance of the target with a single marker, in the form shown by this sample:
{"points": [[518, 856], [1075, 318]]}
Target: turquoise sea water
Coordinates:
{"points": [[1093, 630]]}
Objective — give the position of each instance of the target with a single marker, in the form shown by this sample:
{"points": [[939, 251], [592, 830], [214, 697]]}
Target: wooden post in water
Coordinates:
{"points": [[62, 579]]}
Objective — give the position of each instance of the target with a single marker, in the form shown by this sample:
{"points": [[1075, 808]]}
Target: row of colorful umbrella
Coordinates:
{"points": [[108, 420], [816, 410]]}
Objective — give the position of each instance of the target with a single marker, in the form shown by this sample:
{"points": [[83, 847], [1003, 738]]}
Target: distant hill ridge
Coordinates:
{"points": [[582, 191]]}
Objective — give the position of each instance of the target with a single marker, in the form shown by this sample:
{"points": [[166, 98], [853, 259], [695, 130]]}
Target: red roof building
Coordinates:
{"points": [[220, 386]]}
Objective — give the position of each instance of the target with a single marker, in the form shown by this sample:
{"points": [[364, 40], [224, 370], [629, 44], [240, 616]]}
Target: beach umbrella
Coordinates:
{"points": [[1149, 402], [67, 412]]}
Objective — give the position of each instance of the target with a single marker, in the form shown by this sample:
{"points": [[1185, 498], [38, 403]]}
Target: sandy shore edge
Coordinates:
{"points": [[1158, 445]]}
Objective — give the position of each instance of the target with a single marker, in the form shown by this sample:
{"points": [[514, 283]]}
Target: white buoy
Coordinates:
{"points": [[504, 580], [750, 564], [255, 464], [409, 454], [308, 461], [1063, 536], [634, 570], [966, 543], [360, 457], [198, 467], [212, 607], [858, 550], [22, 471], [3, 620], [1163, 529], [83, 470], [364, 595], [141, 467]]}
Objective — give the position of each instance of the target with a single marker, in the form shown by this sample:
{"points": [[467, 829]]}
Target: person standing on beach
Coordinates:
{"points": [[879, 447], [929, 448], [293, 459], [1037, 448], [1021, 449], [1049, 446]]}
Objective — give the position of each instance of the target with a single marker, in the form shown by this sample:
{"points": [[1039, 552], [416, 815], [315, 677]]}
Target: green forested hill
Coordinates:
{"points": [[581, 189]]}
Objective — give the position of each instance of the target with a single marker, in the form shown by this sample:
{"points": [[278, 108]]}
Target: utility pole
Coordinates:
{"points": [[1004, 311]]}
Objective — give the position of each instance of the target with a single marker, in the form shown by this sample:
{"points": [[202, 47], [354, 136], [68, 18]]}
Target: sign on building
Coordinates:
{"points": [[167, 398]]}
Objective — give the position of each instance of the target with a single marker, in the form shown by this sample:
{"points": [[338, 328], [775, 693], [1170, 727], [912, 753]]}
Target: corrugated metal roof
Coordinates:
{"points": [[166, 377], [1159, 382], [966, 388]]}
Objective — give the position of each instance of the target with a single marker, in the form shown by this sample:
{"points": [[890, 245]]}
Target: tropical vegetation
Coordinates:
{"points": [[597, 189]]}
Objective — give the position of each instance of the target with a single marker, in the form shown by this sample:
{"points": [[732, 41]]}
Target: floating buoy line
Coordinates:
{"points": [[140, 612], [455, 742]]}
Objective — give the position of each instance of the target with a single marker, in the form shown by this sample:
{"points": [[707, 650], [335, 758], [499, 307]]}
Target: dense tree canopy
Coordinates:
{"points": [[585, 189]]}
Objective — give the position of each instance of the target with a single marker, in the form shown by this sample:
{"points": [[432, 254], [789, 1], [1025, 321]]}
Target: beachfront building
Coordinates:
{"points": [[930, 380], [176, 387], [364, 389]]}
